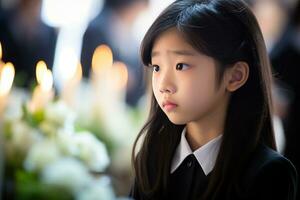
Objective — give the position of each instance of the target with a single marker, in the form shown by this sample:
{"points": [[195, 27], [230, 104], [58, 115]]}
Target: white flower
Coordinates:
{"points": [[68, 173], [98, 189], [66, 143], [58, 113], [41, 154], [23, 136], [17, 98], [48, 128], [91, 151]]}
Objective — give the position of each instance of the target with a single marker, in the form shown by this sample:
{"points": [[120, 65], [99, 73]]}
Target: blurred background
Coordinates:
{"points": [[74, 93]]}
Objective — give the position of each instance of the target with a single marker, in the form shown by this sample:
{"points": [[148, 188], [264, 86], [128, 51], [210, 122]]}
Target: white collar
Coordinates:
{"points": [[206, 155]]}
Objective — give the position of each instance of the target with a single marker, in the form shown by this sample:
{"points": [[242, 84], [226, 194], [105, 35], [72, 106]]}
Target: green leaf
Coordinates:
{"points": [[7, 126], [29, 187], [34, 119]]}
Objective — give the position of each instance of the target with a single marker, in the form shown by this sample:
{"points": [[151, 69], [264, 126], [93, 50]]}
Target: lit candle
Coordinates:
{"points": [[71, 86], [7, 74], [43, 92], [102, 60], [110, 81], [101, 64]]}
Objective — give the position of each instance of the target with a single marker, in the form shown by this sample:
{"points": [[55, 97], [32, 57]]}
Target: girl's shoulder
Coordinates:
{"points": [[265, 157], [269, 174]]}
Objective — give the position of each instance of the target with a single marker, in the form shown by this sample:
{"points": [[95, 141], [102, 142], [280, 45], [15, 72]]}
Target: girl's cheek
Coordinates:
{"points": [[195, 91], [154, 84], [155, 89]]}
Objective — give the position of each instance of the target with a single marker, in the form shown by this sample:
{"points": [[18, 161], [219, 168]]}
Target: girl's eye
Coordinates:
{"points": [[155, 68], [181, 66]]}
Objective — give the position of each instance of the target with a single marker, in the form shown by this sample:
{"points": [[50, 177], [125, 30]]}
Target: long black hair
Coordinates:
{"points": [[227, 31]]}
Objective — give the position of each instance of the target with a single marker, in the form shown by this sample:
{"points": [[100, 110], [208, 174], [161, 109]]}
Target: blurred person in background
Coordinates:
{"points": [[272, 16], [280, 23], [285, 58], [26, 39], [113, 27]]}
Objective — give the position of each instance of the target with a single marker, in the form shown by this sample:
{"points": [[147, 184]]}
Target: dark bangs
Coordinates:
{"points": [[207, 30]]}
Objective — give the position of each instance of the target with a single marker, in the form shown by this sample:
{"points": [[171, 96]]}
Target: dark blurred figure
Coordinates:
{"points": [[26, 40], [285, 58], [272, 16], [113, 27], [280, 24]]}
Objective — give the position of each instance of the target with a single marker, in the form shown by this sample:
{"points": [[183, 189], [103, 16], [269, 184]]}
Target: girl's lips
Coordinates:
{"points": [[168, 106]]}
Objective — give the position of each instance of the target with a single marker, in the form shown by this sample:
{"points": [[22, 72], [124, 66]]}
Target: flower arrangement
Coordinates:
{"points": [[54, 152], [48, 156]]}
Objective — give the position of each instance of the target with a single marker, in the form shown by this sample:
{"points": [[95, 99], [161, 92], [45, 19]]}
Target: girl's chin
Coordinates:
{"points": [[176, 120]]}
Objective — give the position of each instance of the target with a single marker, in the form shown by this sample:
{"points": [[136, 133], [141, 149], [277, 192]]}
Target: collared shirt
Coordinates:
{"points": [[206, 155]]}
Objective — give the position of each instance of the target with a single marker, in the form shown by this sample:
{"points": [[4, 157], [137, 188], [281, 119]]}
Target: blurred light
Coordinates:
{"points": [[47, 81], [6, 78], [119, 75], [102, 58], [72, 18], [44, 76], [41, 68], [68, 62], [59, 13], [144, 21]]}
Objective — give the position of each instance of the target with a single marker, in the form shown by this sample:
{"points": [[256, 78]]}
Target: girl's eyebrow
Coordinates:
{"points": [[176, 52]]}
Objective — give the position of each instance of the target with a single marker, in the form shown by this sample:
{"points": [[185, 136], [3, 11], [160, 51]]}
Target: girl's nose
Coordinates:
{"points": [[166, 90], [167, 87]]}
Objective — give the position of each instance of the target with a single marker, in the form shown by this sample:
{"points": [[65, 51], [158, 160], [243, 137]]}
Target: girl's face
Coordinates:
{"points": [[184, 80]]}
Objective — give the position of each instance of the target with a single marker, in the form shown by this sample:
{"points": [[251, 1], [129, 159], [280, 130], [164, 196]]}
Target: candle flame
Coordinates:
{"points": [[47, 81], [102, 58], [41, 69], [44, 76], [120, 75], [6, 78]]}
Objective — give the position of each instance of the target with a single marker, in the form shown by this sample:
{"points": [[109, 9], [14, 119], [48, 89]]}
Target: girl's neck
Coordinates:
{"points": [[200, 132], [197, 137]]}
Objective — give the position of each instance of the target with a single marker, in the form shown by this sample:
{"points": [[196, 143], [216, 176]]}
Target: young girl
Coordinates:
{"points": [[209, 133]]}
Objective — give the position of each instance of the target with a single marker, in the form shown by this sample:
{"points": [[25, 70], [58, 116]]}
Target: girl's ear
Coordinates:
{"points": [[236, 76]]}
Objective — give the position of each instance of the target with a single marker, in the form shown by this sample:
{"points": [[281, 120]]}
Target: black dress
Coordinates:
{"points": [[269, 175]]}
